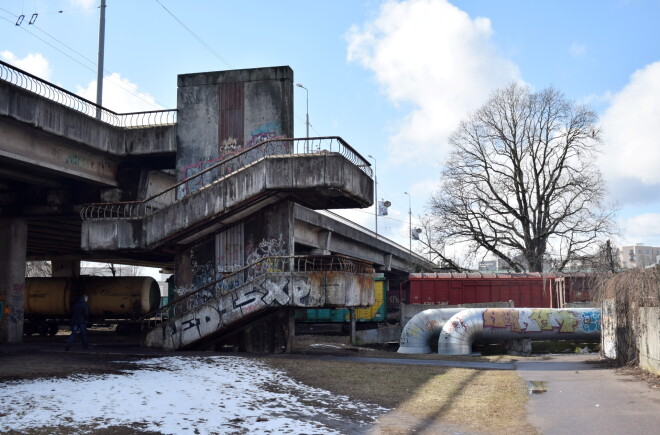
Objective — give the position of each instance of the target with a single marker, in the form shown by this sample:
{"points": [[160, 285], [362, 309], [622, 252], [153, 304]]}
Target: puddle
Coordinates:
{"points": [[537, 387]]}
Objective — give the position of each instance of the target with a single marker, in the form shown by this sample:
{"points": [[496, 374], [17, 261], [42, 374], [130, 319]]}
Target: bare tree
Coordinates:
{"points": [[604, 260], [521, 181], [38, 269], [433, 246]]}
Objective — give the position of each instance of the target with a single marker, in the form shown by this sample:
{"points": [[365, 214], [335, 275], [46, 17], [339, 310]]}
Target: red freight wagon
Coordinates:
{"points": [[524, 289]]}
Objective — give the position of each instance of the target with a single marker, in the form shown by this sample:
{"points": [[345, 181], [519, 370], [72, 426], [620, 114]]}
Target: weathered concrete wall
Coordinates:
{"points": [[75, 127], [609, 329], [390, 334], [13, 243], [223, 112], [272, 333], [265, 233], [649, 339], [56, 153], [268, 291]]}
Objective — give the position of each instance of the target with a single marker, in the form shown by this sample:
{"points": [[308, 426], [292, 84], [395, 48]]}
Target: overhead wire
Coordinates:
{"points": [[146, 98], [208, 47]]}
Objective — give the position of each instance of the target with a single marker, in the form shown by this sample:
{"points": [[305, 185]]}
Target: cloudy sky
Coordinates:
{"points": [[393, 78]]}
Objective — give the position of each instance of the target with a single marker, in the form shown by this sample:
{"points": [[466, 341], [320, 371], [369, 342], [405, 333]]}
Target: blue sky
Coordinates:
{"points": [[393, 78]]}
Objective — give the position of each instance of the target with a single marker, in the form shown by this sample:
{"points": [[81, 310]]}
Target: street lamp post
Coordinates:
{"points": [[376, 191], [306, 115], [409, 225]]}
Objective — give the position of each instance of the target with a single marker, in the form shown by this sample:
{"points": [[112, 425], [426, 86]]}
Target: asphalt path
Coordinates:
{"points": [[588, 399], [442, 363]]}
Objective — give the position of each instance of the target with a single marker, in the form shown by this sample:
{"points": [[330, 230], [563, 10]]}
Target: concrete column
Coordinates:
{"points": [[65, 268], [13, 245]]}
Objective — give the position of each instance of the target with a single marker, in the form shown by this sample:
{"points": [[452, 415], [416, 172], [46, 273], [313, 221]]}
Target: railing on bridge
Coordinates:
{"points": [[222, 169], [232, 281], [34, 84]]}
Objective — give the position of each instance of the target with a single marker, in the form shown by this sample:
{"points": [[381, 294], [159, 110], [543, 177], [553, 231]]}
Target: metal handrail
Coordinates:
{"points": [[232, 281], [222, 169], [36, 85]]}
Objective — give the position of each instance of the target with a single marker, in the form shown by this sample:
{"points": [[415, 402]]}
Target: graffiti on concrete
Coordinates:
{"points": [[272, 247], [228, 148], [213, 313], [267, 248]]}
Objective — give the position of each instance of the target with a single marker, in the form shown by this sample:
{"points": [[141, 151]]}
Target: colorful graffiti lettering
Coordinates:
{"points": [[228, 148], [591, 321], [530, 321], [502, 318], [566, 320], [541, 317]]}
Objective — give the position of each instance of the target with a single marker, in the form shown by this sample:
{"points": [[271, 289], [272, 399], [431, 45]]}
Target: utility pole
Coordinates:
{"points": [[99, 75]]}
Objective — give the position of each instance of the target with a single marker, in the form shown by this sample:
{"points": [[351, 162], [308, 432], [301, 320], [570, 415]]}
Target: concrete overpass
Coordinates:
{"points": [[213, 188]]}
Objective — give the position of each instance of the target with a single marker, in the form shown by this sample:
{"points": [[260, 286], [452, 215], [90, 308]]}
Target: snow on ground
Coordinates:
{"points": [[176, 395]]}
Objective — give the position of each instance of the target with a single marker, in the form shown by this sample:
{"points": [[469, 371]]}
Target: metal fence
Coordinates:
{"points": [[34, 84], [230, 282], [222, 169]]}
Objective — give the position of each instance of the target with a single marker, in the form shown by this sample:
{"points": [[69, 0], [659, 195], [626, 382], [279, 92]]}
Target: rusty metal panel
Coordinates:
{"points": [[231, 117], [230, 250]]}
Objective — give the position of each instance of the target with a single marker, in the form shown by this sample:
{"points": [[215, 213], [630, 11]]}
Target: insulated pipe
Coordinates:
{"points": [[424, 327], [493, 324]]}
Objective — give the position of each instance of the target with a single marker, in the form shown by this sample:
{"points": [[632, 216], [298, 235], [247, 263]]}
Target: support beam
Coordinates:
{"points": [[13, 243], [65, 268]]}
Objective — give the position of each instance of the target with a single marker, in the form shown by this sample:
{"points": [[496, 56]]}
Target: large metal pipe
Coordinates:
{"points": [[423, 329], [494, 324]]}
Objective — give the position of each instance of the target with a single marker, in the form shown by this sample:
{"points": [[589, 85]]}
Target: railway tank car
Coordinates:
{"points": [[112, 300]]}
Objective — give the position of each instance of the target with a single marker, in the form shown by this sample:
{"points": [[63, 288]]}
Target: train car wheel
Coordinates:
{"points": [[53, 328], [121, 329], [29, 329], [42, 329]]}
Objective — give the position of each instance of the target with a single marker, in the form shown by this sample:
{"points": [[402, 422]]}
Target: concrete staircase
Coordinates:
{"points": [[272, 283], [329, 174]]}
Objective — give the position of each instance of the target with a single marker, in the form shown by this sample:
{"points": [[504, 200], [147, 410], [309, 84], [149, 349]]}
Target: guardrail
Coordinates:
{"points": [[222, 169], [233, 280], [36, 85]]}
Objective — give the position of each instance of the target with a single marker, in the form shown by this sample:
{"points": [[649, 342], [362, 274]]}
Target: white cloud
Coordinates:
{"points": [[630, 129], [432, 56], [84, 4], [120, 95], [34, 63], [643, 228], [577, 49]]}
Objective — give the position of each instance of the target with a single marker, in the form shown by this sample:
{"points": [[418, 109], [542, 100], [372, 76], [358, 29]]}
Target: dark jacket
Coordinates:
{"points": [[80, 312]]}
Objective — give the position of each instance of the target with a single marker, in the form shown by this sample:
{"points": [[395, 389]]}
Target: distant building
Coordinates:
{"points": [[492, 265], [639, 255]]}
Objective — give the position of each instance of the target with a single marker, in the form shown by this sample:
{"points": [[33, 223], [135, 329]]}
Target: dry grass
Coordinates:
{"points": [[423, 398]]}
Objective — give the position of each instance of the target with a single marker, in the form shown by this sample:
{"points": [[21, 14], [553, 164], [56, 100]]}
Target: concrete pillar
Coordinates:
{"points": [[13, 245], [220, 113], [65, 268], [269, 334]]}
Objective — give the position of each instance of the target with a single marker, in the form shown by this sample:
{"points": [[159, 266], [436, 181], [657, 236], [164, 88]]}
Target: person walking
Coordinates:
{"points": [[79, 318]]}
